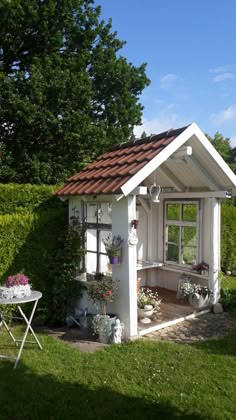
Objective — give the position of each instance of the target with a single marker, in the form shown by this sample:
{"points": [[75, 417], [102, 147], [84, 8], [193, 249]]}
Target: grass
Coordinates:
{"points": [[228, 282], [138, 380]]}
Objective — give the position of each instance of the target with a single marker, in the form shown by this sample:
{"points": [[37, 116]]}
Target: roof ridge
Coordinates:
{"points": [[169, 133]]}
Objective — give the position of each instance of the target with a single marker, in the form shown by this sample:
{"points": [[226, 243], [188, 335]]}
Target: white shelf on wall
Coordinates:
{"points": [[183, 271], [144, 265]]}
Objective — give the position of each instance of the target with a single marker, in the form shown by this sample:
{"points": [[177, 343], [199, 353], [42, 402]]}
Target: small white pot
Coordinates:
{"points": [[146, 312]]}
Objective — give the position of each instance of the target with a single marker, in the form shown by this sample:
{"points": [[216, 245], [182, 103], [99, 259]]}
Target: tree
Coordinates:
{"points": [[223, 146], [66, 94]]}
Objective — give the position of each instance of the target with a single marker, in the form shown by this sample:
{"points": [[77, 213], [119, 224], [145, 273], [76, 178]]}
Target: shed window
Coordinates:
{"points": [[182, 232], [97, 217]]}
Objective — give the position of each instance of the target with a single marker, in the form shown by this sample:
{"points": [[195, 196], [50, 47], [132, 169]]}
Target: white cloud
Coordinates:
{"points": [[228, 114], [223, 76], [221, 69], [162, 122], [168, 80], [233, 141]]}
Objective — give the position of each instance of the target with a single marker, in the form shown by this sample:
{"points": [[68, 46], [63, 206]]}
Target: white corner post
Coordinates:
{"points": [[214, 263], [123, 212]]}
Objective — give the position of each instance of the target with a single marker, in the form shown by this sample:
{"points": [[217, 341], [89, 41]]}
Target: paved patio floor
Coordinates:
{"points": [[197, 329]]}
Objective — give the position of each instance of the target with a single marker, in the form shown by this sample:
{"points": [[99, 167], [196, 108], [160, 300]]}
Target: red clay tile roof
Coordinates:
{"points": [[114, 168]]}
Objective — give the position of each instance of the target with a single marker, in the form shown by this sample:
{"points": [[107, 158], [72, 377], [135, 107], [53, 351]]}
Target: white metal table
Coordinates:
{"points": [[34, 297]]}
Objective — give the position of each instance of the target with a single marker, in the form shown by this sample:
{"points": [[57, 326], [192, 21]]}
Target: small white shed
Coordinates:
{"points": [[172, 183]]}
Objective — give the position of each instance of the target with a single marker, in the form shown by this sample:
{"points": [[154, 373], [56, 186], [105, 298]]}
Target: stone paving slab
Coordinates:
{"points": [[76, 337], [195, 329], [190, 331]]}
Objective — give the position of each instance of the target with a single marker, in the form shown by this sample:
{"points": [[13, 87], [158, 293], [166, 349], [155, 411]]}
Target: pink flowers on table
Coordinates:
{"points": [[18, 279]]}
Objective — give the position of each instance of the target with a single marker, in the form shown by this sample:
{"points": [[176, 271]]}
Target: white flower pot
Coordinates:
{"points": [[105, 328], [146, 312], [199, 301]]}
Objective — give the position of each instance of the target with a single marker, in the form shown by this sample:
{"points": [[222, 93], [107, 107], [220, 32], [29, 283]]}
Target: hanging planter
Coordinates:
{"points": [[113, 248], [114, 259]]}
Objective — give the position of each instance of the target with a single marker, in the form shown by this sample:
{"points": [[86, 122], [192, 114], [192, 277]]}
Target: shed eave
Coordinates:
{"points": [[190, 131]]}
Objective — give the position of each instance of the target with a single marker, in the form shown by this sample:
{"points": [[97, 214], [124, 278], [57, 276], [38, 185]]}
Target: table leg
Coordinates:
{"points": [[9, 331], [28, 322], [31, 329]]}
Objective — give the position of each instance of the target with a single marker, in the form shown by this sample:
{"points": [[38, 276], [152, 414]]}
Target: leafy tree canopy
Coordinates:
{"points": [[66, 94], [223, 147]]}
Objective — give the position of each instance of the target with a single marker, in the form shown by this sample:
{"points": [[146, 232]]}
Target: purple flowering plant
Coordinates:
{"points": [[201, 266], [18, 279]]}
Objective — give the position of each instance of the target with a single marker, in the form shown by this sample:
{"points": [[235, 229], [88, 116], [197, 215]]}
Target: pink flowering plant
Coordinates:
{"points": [[102, 292], [18, 279]]}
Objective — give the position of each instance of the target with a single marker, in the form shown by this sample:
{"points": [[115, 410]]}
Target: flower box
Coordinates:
{"points": [[17, 286]]}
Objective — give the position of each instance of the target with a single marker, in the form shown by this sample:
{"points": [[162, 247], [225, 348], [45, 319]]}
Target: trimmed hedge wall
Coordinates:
{"points": [[29, 243], [17, 198], [228, 238]]}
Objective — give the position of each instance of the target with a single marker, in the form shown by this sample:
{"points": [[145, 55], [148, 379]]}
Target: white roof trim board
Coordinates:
{"points": [[192, 130]]}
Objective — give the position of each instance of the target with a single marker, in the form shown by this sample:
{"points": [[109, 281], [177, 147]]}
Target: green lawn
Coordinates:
{"points": [[228, 282], [139, 380]]}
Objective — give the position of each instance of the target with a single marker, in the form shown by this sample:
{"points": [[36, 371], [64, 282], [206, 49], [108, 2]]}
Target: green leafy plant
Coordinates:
{"points": [[148, 297], [187, 288], [64, 269], [102, 292]]}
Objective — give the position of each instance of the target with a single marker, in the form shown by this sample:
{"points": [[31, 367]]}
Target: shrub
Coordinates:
{"points": [[17, 198], [29, 243], [228, 238]]}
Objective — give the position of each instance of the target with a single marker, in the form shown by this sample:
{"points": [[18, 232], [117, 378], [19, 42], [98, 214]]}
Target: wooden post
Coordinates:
{"points": [[123, 212], [214, 263]]}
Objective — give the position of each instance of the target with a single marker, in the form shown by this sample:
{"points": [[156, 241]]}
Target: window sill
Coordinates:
{"points": [[183, 270], [144, 265]]}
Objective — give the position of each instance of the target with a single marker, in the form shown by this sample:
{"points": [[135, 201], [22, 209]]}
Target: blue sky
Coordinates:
{"points": [[190, 50]]}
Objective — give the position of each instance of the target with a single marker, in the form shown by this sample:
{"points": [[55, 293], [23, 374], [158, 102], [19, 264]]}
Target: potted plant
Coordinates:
{"points": [[113, 247], [202, 268], [16, 286], [102, 291], [148, 303], [198, 295]]}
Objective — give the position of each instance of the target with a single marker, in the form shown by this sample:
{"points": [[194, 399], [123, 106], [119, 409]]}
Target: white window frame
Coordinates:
{"points": [[98, 227], [182, 223]]}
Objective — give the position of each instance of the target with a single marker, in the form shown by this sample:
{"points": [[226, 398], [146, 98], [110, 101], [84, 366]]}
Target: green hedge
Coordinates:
{"points": [[29, 243], [17, 198], [228, 237]]}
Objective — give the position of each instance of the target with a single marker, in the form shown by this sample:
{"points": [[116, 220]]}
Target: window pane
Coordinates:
{"points": [[189, 236], [189, 212], [173, 252], [103, 234], [189, 245], [91, 213], [105, 213], [173, 243], [91, 262], [173, 211], [173, 234], [104, 264], [91, 240]]}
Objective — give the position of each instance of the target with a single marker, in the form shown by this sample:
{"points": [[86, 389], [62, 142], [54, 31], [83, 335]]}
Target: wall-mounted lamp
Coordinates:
{"points": [[134, 223]]}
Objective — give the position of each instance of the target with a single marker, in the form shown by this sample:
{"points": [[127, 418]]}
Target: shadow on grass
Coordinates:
{"points": [[27, 395]]}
